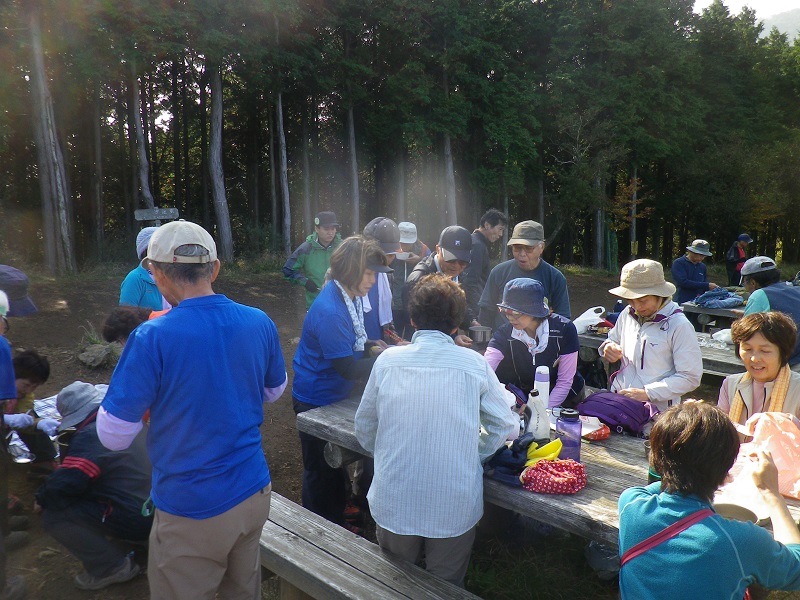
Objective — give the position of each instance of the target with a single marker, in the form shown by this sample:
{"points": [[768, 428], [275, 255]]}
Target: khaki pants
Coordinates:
{"points": [[194, 559], [447, 558]]}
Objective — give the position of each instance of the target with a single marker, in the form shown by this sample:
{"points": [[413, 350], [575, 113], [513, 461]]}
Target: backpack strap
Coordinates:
{"points": [[665, 534]]}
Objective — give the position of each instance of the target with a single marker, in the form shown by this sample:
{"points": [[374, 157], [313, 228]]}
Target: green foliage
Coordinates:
{"points": [[570, 94]]}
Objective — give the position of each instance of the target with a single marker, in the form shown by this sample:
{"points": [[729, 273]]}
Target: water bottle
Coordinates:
{"points": [[568, 429], [539, 423], [541, 383]]}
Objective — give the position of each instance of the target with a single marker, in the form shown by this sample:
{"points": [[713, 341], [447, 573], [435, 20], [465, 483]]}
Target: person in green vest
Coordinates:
{"points": [[308, 264]]}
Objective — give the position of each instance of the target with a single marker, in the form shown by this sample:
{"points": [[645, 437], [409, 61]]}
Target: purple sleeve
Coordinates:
{"points": [[115, 433], [567, 367], [493, 356]]}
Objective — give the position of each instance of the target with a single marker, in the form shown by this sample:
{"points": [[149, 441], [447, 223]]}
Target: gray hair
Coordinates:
{"points": [[187, 272]]}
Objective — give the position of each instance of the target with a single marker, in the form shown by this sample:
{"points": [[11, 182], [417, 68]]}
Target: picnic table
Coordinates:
{"points": [[722, 316], [716, 361], [612, 466]]}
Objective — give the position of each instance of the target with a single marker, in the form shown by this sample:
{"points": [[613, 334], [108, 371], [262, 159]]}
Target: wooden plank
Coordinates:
{"points": [[715, 361], [355, 555]]}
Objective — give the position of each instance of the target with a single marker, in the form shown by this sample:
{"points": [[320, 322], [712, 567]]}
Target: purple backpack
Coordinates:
{"points": [[616, 411]]}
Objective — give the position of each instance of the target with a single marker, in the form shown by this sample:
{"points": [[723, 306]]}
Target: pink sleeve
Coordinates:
{"points": [[724, 402], [116, 433], [493, 356], [567, 367]]}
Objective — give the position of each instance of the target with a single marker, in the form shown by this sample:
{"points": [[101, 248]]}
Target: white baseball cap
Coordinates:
{"points": [[168, 238]]}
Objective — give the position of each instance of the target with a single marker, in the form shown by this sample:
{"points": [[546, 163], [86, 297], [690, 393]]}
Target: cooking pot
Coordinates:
{"points": [[480, 334]]}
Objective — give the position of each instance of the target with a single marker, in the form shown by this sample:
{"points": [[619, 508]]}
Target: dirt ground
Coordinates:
{"points": [[69, 306]]}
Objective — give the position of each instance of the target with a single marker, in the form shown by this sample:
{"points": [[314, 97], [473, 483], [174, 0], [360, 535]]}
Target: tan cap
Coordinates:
{"points": [[643, 277], [171, 236], [526, 233]]}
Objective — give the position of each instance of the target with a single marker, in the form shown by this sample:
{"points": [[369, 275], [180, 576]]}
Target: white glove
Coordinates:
{"points": [[20, 421], [49, 426]]}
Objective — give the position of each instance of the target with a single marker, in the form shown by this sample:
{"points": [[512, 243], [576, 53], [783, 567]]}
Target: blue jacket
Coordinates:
{"points": [[690, 278]]}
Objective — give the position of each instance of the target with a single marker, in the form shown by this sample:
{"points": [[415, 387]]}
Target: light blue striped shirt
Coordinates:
{"points": [[420, 416]]}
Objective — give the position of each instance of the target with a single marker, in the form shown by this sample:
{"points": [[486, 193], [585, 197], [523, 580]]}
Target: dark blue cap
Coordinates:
{"points": [[526, 296], [744, 238]]}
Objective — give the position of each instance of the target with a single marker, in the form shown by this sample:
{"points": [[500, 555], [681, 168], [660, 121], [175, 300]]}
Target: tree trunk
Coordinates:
{"points": [[632, 230], [273, 191], [124, 162], [152, 142], [306, 172], [59, 253], [400, 165], [355, 195], [187, 179], [284, 176], [144, 167], [215, 168], [599, 250], [204, 148], [97, 171], [450, 181], [175, 131]]}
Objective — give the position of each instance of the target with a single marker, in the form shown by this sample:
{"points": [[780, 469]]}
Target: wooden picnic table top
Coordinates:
{"points": [[715, 360], [612, 466]]}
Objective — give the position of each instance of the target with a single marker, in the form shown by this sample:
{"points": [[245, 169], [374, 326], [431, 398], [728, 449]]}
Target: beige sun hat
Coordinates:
{"points": [[642, 277]]}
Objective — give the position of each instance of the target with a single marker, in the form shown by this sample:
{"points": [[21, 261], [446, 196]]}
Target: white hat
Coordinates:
{"points": [[168, 238], [408, 232], [643, 277]]}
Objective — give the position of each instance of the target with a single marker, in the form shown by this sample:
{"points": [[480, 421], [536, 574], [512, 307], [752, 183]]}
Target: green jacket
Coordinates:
{"points": [[310, 261]]}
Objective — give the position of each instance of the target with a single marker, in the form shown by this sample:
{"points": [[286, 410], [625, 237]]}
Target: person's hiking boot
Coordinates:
{"points": [[16, 540], [18, 523], [352, 512], [15, 588], [127, 571]]}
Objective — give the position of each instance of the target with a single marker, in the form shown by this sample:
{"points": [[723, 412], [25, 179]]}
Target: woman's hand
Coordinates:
{"points": [[612, 352], [765, 473], [635, 394], [463, 341]]}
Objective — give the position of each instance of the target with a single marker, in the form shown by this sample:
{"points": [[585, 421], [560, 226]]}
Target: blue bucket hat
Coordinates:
{"points": [[15, 284], [526, 296]]}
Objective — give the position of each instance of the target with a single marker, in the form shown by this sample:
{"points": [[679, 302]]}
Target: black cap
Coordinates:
{"points": [[326, 219], [456, 243], [385, 232]]}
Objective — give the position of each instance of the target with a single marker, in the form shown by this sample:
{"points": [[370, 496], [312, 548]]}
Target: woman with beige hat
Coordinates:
{"points": [[653, 339]]}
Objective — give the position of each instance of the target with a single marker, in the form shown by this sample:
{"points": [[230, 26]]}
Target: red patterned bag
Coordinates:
{"points": [[554, 477]]}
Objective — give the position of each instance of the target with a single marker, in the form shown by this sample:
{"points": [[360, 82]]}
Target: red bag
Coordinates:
{"points": [[554, 477]]}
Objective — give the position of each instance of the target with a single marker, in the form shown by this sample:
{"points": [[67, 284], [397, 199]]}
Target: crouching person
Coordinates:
{"points": [[94, 500], [420, 415]]}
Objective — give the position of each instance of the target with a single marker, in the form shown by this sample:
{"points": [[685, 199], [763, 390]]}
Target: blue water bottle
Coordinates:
{"points": [[568, 429]]}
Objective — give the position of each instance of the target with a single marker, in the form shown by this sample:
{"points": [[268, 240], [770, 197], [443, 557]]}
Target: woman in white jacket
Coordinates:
{"points": [[653, 339]]}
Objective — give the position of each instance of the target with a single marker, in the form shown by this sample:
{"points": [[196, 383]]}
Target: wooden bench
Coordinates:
{"points": [[315, 558]]}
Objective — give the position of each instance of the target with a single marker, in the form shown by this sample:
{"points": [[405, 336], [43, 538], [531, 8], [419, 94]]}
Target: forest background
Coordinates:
{"points": [[627, 127]]}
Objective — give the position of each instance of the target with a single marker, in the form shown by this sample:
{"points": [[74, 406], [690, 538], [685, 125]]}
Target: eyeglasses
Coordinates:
{"points": [[510, 313], [461, 263]]}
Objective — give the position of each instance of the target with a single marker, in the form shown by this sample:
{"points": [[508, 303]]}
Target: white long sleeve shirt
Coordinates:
{"points": [[662, 357], [420, 415]]}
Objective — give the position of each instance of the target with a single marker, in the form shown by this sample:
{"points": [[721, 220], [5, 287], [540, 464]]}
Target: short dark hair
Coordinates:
{"points": [[779, 328], [350, 260], [30, 365], [187, 272], [693, 446], [493, 217], [437, 302], [764, 278], [122, 321]]}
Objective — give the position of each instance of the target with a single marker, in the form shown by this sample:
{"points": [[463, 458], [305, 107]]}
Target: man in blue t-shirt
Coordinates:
{"points": [[203, 370]]}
